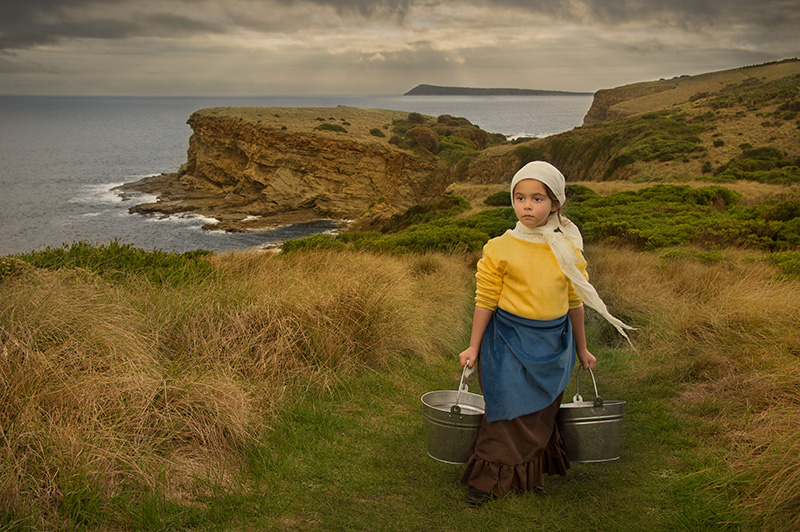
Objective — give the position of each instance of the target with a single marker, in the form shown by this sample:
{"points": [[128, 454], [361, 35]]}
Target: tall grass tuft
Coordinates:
{"points": [[724, 333], [115, 388]]}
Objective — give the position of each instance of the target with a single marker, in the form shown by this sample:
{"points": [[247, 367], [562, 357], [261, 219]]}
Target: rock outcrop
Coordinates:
{"points": [[254, 167]]}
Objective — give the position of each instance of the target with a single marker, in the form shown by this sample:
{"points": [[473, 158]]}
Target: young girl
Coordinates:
{"points": [[527, 329]]}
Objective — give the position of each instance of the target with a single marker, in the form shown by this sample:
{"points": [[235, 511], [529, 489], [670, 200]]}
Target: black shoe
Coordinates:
{"points": [[477, 497]]}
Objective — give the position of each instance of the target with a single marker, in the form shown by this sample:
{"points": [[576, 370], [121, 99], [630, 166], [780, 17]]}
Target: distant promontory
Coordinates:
{"points": [[435, 90]]}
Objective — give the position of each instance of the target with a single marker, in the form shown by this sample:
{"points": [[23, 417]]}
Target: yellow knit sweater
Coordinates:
{"points": [[523, 278]]}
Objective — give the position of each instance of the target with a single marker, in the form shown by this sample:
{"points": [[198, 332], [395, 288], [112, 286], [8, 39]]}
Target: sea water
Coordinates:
{"points": [[61, 157]]}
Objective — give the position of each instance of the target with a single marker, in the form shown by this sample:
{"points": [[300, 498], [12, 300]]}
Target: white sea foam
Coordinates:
{"points": [[187, 219], [97, 193]]}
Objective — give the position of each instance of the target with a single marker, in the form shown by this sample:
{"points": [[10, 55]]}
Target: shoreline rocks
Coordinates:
{"points": [[255, 168]]}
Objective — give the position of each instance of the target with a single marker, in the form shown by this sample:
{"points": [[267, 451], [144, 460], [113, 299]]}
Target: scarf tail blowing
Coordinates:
{"points": [[563, 239]]}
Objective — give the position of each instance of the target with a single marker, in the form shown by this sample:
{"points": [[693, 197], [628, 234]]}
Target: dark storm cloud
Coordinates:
{"points": [[28, 23], [36, 22]]}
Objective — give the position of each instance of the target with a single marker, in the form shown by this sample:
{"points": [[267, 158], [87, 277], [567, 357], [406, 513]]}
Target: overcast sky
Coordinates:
{"points": [[294, 47]]}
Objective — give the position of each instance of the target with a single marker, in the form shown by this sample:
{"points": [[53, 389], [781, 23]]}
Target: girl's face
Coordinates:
{"points": [[531, 203]]}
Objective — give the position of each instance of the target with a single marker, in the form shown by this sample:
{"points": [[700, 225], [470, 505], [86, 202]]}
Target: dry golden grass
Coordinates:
{"points": [[110, 386], [726, 334], [357, 121], [128, 387]]}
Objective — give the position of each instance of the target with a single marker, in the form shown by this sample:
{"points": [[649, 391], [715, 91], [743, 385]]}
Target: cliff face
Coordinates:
{"points": [[248, 171]]}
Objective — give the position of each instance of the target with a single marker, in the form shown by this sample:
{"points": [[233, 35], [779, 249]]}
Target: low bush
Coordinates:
{"points": [[118, 261], [672, 215], [447, 207], [419, 233], [765, 164], [499, 199], [787, 262]]}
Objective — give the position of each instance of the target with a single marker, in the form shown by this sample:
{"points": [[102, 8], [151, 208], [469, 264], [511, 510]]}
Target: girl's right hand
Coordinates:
{"points": [[468, 356]]}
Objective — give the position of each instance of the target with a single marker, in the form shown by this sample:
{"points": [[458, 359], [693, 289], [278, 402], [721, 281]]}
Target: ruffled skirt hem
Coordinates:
{"points": [[502, 463]]}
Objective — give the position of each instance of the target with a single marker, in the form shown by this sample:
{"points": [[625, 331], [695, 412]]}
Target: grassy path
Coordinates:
{"points": [[355, 459]]}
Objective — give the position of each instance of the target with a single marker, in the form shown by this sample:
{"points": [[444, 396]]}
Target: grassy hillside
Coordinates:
{"points": [[730, 127], [649, 96]]}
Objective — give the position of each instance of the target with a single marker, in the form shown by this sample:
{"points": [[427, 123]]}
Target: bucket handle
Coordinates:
{"points": [[598, 401], [462, 387]]}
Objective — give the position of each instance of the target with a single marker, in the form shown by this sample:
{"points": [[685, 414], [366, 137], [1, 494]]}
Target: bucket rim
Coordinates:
{"points": [[590, 404], [467, 394]]}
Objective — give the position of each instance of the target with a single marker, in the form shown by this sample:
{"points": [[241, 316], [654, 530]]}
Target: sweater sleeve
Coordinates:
{"points": [[575, 300], [489, 279]]}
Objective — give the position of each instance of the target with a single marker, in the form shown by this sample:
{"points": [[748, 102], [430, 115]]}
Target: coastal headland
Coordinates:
{"points": [[253, 168], [438, 90]]}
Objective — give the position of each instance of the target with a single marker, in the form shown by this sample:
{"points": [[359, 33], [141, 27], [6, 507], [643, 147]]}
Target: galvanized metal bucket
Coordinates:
{"points": [[591, 430], [452, 421]]}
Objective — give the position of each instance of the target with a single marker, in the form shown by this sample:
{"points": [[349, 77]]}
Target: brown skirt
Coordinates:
{"points": [[515, 454]]}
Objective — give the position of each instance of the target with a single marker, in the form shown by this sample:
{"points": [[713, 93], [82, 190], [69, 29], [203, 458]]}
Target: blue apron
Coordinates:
{"points": [[525, 364]]}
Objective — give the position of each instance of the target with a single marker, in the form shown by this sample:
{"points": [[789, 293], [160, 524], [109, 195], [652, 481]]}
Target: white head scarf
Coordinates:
{"points": [[545, 173], [558, 233]]}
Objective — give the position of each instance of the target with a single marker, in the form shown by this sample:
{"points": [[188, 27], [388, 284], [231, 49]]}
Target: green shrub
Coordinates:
{"points": [[579, 193], [441, 233], [423, 137], [673, 215], [117, 261], [447, 207], [787, 262], [454, 143], [429, 237], [499, 199], [527, 153], [376, 132], [765, 164]]}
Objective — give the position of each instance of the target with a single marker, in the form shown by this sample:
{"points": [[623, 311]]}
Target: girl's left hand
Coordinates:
{"points": [[586, 359]]}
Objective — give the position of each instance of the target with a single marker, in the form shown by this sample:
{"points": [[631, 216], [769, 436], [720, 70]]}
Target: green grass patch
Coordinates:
{"points": [[114, 261], [415, 232]]}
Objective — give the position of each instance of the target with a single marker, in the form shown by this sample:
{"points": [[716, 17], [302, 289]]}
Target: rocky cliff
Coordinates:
{"points": [[254, 167]]}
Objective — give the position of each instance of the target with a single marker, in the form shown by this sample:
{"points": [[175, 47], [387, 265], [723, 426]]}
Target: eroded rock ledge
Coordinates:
{"points": [[252, 168]]}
